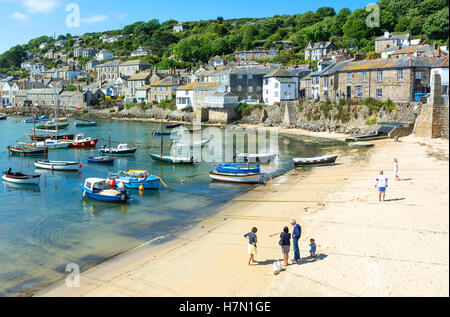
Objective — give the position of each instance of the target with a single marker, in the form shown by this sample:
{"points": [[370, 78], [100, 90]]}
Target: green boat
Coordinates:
{"points": [[172, 159], [53, 126]]}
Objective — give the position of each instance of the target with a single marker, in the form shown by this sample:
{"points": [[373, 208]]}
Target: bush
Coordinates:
{"points": [[129, 105], [245, 109], [371, 121]]}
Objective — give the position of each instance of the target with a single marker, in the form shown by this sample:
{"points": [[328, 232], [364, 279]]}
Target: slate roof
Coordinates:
{"points": [[199, 86], [393, 63], [394, 37], [140, 76]]}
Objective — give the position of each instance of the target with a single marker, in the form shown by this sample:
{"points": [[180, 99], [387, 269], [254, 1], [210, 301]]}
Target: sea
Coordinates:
{"points": [[45, 227]]}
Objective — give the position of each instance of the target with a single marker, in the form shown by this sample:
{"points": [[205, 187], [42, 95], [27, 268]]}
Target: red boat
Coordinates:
{"points": [[81, 140]]}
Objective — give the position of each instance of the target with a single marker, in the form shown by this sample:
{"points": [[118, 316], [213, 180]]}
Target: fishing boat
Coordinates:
{"points": [[98, 189], [58, 165], [122, 149], [173, 126], [42, 137], [26, 151], [243, 178], [85, 124], [142, 179], [255, 157], [81, 140], [102, 159], [49, 144], [187, 144], [53, 125], [20, 178], [237, 168], [315, 161], [173, 159]]}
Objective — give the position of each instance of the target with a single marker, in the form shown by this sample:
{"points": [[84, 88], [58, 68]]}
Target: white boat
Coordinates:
{"points": [[187, 144], [58, 165], [255, 157], [243, 178], [53, 144], [20, 178], [315, 161], [121, 149]]}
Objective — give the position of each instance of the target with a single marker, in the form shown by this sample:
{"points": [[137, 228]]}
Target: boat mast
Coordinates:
{"points": [[162, 141]]}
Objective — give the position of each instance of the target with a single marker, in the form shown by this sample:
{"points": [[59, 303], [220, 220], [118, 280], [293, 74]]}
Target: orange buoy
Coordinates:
{"points": [[182, 181]]}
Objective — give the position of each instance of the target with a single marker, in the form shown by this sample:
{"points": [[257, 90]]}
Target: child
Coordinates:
{"points": [[251, 245], [396, 170], [313, 246]]}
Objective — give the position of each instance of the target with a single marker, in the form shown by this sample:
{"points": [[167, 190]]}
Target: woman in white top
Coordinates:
{"points": [[396, 170], [381, 182]]}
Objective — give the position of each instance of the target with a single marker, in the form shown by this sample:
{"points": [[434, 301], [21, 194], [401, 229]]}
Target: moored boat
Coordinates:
{"points": [[172, 159], [188, 144], [102, 159], [237, 168], [81, 140], [255, 157], [20, 178], [3, 117], [98, 189], [52, 125], [173, 126], [49, 144], [243, 178], [122, 149], [67, 166], [315, 161], [42, 137], [26, 151], [85, 124], [135, 182]]}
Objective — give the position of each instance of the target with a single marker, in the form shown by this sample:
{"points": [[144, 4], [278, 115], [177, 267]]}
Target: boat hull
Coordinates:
{"points": [[135, 183], [237, 168], [85, 124], [88, 143], [31, 179], [118, 152], [58, 166], [244, 157], [26, 151], [172, 160], [123, 198], [43, 137], [315, 161], [105, 160], [61, 126], [241, 178]]}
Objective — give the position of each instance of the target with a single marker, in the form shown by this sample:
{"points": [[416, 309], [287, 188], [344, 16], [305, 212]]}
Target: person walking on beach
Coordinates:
{"points": [[296, 234], [312, 251], [252, 239], [285, 243], [381, 183], [395, 167]]}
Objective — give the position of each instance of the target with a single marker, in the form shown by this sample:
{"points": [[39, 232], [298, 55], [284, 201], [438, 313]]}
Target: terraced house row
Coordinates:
{"points": [[400, 79]]}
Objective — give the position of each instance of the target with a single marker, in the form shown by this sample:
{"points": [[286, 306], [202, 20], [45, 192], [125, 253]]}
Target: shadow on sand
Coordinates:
{"points": [[394, 199]]}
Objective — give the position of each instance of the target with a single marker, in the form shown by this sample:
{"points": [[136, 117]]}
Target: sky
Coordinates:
{"points": [[22, 20]]}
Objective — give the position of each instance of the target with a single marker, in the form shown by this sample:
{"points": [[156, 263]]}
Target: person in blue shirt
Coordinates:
{"points": [[313, 246], [252, 250], [285, 243], [296, 234]]}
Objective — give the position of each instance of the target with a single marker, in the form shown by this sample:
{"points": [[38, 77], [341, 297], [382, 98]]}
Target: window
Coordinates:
{"points": [[349, 77], [267, 92], [276, 94], [250, 89], [358, 91], [276, 85], [258, 88], [380, 75], [240, 76], [379, 93], [239, 88], [418, 75], [364, 76], [249, 77], [266, 81], [400, 75]]}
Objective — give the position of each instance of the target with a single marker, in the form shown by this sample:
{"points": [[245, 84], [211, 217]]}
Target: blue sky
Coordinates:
{"points": [[22, 20]]}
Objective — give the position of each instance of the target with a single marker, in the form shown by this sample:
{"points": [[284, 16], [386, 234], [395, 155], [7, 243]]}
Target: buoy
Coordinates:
{"points": [[182, 181], [113, 182], [137, 131], [141, 188], [81, 165]]}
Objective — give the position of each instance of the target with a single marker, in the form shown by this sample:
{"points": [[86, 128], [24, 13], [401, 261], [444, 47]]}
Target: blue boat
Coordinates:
{"points": [[163, 133], [102, 159], [133, 182], [173, 126], [237, 168], [98, 189]]}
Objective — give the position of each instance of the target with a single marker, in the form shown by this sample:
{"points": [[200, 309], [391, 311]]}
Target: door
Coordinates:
{"points": [[349, 92]]}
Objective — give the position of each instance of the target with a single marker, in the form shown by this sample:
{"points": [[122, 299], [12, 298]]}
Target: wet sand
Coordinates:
{"points": [[365, 247]]}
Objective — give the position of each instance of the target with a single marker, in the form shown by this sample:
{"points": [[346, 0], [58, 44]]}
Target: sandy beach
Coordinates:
{"points": [[365, 247]]}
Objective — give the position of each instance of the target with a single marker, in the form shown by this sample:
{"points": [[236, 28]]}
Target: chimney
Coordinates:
{"points": [[386, 34]]}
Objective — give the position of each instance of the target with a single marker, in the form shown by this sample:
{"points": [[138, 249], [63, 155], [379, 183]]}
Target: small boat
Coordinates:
{"points": [[81, 140], [3, 117], [102, 159], [49, 144], [255, 157], [52, 125], [237, 168], [58, 165], [172, 159], [135, 182], [31, 120], [122, 149], [85, 124], [26, 151], [243, 178], [20, 178], [315, 161], [186, 144], [192, 130], [42, 137], [360, 144], [134, 173], [159, 133], [98, 189], [173, 126]]}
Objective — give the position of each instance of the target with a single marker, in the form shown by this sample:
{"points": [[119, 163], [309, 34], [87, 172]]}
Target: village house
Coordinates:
{"points": [[242, 57], [278, 86], [164, 89], [84, 52], [43, 45], [135, 82], [8, 93], [108, 72], [112, 39], [193, 94], [132, 67], [33, 67], [91, 65], [441, 67], [426, 50], [60, 43], [389, 43], [42, 97], [76, 99], [217, 61], [104, 54], [310, 85], [318, 50], [141, 52], [180, 27]]}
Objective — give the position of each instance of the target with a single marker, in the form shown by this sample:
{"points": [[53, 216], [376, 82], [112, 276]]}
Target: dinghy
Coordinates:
{"points": [[133, 182], [122, 149], [172, 159], [187, 144], [26, 151], [20, 178], [237, 168], [173, 126], [66, 166], [98, 189], [255, 157], [243, 178], [102, 159], [3, 117], [52, 125], [315, 161], [85, 124]]}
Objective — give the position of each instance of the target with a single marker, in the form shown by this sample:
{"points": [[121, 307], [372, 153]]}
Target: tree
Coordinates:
{"points": [[436, 25], [356, 27], [324, 12], [195, 48], [339, 21]]}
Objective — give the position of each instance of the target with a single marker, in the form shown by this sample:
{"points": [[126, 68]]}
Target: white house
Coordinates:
{"points": [[104, 54], [141, 52], [8, 95], [60, 43], [280, 85], [180, 27], [442, 70]]}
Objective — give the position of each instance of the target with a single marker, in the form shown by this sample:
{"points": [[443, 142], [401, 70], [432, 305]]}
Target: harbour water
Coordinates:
{"points": [[45, 227]]}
